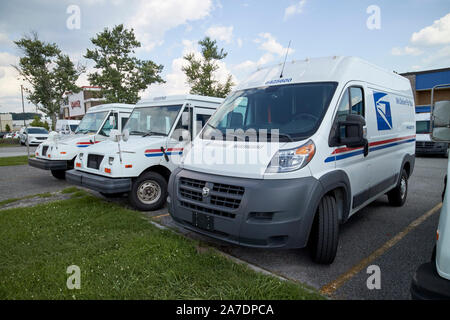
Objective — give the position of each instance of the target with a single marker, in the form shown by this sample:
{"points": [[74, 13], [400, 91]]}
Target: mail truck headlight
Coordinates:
{"points": [[110, 160], [80, 156], [292, 159]]}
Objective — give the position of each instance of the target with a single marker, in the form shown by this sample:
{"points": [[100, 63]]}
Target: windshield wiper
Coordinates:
{"points": [[152, 133], [136, 132]]}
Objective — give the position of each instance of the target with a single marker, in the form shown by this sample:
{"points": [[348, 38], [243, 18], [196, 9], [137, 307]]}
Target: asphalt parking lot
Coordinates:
{"points": [[397, 240]]}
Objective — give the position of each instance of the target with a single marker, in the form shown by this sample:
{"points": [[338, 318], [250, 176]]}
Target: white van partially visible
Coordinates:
{"points": [[140, 162], [424, 143], [66, 126], [340, 133], [58, 152]]}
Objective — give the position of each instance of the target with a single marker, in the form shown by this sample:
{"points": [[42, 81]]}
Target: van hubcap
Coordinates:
{"points": [[403, 187], [149, 192]]}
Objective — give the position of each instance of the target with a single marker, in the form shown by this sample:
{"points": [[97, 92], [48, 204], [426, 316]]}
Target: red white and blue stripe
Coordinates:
{"points": [[344, 153], [158, 153], [85, 144]]}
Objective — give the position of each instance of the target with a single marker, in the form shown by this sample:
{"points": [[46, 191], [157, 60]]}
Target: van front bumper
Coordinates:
{"points": [[427, 284], [248, 212], [48, 164], [98, 183]]}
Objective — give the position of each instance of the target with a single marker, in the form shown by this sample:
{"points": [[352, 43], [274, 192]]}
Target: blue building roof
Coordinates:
{"points": [[429, 79]]}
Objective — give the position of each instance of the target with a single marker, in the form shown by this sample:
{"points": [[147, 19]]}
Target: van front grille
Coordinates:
{"points": [[210, 197]]}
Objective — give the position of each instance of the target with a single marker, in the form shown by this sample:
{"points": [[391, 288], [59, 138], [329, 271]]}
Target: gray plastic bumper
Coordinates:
{"points": [[48, 164], [271, 213], [98, 183]]}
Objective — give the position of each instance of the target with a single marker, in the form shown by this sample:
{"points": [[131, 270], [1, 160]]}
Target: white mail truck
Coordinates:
{"points": [[140, 161]]}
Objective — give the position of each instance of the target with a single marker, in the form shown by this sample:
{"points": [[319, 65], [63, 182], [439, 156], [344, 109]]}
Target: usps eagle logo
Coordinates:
{"points": [[383, 110]]}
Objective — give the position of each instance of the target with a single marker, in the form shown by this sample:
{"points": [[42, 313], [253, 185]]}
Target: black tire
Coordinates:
{"points": [[112, 195], [139, 184], [397, 196], [59, 174], [324, 238]]}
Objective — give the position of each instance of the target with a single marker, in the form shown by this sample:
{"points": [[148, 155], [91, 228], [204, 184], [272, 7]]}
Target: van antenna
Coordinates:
{"points": [[284, 63]]}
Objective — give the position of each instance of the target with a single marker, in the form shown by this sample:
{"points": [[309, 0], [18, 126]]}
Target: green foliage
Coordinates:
{"points": [[7, 128], [38, 123], [49, 73], [200, 72], [120, 74]]}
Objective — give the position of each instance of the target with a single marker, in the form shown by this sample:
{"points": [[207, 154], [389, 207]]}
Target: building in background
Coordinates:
{"points": [[5, 119], [422, 82], [76, 104]]}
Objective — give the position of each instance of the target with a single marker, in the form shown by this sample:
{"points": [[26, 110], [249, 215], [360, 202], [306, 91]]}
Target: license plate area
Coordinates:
{"points": [[203, 221]]}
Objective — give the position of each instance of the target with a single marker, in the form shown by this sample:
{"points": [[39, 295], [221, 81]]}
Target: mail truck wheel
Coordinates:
{"points": [[324, 238], [148, 192], [397, 196], [59, 174]]}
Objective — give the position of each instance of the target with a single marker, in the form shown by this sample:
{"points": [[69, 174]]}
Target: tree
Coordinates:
{"points": [[200, 72], [7, 128], [49, 72], [121, 75], [38, 123]]}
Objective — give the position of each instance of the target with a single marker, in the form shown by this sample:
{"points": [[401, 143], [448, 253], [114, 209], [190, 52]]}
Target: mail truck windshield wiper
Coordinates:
{"points": [[152, 133]]}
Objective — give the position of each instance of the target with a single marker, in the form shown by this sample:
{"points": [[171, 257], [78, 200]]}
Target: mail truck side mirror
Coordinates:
{"points": [[351, 131], [440, 121]]}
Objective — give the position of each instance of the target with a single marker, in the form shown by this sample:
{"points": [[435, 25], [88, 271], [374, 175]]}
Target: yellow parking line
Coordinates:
{"points": [[336, 284], [161, 215]]}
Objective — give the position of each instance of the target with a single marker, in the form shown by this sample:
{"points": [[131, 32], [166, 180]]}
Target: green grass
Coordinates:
{"points": [[69, 190], [121, 256], [13, 161], [8, 201]]}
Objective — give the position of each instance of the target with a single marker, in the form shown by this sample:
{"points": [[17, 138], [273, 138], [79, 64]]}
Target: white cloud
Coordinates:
{"points": [[398, 51], [436, 34], [239, 42], [294, 9], [221, 33], [440, 58], [269, 43], [154, 17]]}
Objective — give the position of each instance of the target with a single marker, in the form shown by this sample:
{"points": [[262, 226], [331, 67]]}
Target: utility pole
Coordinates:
{"points": [[23, 105]]}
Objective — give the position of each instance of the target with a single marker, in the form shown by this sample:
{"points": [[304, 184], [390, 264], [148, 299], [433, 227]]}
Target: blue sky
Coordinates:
{"points": [[413, 34]]}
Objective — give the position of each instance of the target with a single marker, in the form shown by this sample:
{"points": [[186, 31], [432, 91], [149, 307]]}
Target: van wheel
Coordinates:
{"points": [[397, 196], [59, 174], [324, 238], [148, 192]]}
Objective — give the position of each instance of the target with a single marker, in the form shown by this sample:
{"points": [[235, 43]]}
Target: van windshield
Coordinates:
{"points": [[91, 122], [296, 110], [423, 127], [155, 120], [37, 130]]}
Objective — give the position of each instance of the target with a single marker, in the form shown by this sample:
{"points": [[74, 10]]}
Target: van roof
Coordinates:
{"points": [[336, 69], [110, 106], [178, 99]]}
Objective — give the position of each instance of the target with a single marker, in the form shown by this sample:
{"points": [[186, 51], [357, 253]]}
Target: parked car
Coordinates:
{"points": [[327, 137], [58, 153], [431, 280], [33, 135], [141, 165], [8, 135]]}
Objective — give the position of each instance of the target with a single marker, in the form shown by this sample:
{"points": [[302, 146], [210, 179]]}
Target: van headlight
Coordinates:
{"points": [[292, 159], [110, 160], [80, 156]]}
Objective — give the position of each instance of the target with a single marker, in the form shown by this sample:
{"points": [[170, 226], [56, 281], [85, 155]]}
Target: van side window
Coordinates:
{"points": [[356, 100], [124, 122], [343, 109], [200, 121]]}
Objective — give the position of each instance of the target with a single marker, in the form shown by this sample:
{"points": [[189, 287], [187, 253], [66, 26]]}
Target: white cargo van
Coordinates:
{"points": [[424, 143], [58, 152], [431, 280], [140, 161], [64, 126], [296, 150]]}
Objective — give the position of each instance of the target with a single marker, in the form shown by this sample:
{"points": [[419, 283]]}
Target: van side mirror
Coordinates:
{"points": [[112, 121], [440, 121], [351, 131]]}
